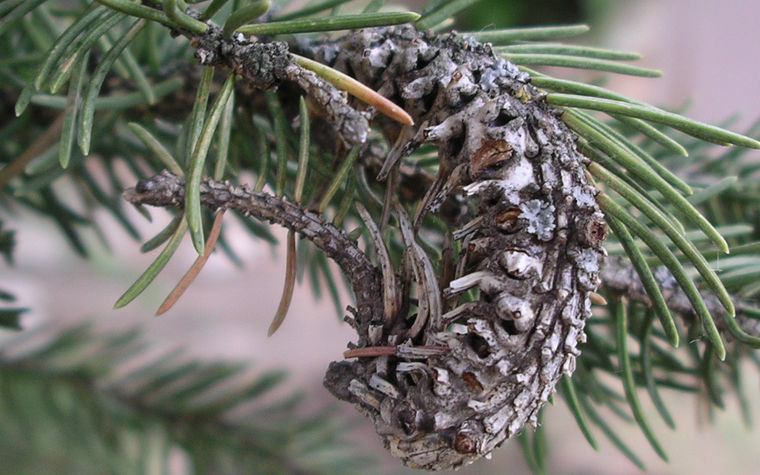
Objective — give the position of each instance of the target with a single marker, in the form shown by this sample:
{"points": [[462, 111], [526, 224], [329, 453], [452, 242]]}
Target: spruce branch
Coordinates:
{"points": [[483, 197], [619, 275], [168, 190]]}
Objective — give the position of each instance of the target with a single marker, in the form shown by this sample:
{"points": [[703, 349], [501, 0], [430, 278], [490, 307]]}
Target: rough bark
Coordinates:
{"points": [[265, 65], [619, 275], [168, 190], [531, 236]]}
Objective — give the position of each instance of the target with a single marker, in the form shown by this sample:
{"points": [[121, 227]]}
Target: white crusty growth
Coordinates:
{"points": [[514, 188]]}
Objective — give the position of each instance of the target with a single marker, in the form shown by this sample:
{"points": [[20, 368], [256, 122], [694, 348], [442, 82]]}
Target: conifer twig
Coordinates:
{"points": [[168, 190], [619, 275]]}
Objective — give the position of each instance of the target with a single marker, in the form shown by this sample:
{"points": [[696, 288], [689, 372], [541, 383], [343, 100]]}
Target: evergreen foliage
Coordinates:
{"points": [[118, 78], [84, 403]]}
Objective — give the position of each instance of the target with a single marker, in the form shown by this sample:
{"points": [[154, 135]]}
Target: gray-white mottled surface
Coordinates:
{"points": [[226, 312]]}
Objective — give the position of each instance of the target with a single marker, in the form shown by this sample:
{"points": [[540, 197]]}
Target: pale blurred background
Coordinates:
{"points": [[709, 52]]}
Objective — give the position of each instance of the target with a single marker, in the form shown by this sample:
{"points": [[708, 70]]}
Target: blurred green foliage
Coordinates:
{"points": [[501, 13]]}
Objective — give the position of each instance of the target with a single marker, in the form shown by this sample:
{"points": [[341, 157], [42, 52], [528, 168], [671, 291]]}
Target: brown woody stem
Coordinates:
{"points": [[168, 190]]}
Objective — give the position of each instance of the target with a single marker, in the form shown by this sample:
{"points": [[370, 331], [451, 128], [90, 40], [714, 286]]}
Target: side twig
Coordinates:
{"points": [[168, 190], [618, 275]]}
